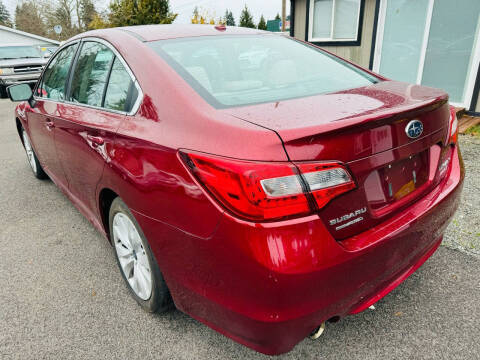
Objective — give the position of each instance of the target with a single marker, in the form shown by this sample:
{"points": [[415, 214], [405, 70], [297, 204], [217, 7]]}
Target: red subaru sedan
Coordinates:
{"points": [[260, 184]]}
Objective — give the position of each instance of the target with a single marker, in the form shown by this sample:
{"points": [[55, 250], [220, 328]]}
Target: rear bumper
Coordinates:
{"points": [[269, 286], [31, 78]]}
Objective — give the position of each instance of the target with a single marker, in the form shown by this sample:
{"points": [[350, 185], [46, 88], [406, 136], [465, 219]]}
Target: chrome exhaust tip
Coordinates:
{"points": [[317, 332]]}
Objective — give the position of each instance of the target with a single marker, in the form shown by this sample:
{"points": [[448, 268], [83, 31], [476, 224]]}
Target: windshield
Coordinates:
{"points": [[232, 71], [19, 52]]}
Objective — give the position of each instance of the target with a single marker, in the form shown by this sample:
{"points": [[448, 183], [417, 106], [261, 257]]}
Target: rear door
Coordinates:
{"points": [[88, 120]]}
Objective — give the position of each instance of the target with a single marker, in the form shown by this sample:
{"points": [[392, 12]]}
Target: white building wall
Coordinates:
{"points": [[8, 37]]}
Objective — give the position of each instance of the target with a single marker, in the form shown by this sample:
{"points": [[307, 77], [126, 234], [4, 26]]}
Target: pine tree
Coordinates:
{"points": [[99, 21], [246, 19], [278, 17], [229, 19], [87, 13], [140, 12], [4, 15], [195, 16], [262, 24]]}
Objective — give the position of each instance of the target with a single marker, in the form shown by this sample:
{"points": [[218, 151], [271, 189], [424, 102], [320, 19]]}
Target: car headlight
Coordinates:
{"points": [[6, 71]]}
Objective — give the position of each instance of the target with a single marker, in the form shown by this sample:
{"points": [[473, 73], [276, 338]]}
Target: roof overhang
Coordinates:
{"points": [[33, 36]]}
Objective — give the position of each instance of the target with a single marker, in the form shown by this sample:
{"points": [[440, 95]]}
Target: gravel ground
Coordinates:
{"points": [[63, 297], [464, 232]]}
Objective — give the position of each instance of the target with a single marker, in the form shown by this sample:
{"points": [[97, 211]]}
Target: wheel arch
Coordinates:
{"points": [[105, 200], [19, 126]]}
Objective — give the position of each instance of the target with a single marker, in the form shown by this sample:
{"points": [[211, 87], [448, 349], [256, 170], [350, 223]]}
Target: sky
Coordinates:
{"points": [[216, 8], [10, 5], [269, 8]]}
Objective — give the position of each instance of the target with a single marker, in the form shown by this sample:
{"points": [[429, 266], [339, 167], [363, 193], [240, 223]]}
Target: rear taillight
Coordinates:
{"points": [[452, 127], [266, 191], [326, 181]]}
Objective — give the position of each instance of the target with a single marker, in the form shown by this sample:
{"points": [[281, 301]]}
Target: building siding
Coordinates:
{"points": [[9, 37], [360, 54], [300, 18], [357, 54]]}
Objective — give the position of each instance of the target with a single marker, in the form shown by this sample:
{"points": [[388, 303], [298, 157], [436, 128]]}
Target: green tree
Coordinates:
{"points": [[278, 17], [262, 24], [87, 13], [228, 18], [155, 12], [196, 17], [246, 19], [122, 13], [28, 18], [4, 15], [140, 12], [99, 21]]}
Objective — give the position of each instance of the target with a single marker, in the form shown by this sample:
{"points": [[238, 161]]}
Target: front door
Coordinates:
{"points": [[41, 118], [430, 42]]}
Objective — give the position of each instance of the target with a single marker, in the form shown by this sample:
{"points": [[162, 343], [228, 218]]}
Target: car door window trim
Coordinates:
{"points": [[116, 54], [71, 96], [108, 80], [40, 81], [72, 69]]}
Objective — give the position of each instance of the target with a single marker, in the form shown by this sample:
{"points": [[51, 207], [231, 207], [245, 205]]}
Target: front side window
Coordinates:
{"points": [[230, 71], [91, 74], [55, 76], [119, 85], [334, 20]]}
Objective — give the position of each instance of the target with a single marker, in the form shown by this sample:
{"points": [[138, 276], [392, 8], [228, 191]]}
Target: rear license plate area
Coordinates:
{"points": [[403, 177]]}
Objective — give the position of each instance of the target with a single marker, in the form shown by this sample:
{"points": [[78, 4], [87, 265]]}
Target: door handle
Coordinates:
{"points": [[96, 140], [49, 124]]}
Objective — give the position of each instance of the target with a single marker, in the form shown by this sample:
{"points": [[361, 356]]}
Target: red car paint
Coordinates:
{"points": [[266, 285]]}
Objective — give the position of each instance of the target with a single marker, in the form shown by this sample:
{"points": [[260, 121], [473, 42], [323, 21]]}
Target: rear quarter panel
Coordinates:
{"points": [[143, 165]]}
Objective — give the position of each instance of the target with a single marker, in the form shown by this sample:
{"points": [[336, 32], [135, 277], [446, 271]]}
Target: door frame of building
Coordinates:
{"points": [[474, 61]]}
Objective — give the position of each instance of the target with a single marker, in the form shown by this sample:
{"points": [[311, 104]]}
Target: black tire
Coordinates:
{"points": [[37, 169], [160, 299]]}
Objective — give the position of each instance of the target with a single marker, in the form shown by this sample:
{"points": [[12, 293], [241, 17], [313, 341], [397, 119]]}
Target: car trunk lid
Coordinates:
{"points": [[366, 129]]}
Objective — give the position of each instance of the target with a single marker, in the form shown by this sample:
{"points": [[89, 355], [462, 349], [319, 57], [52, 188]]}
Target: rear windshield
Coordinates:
{"points": [[230, 71]]}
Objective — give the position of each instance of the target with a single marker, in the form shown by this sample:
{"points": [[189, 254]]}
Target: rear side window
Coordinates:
{"points": [[55, 75], [119, 87], [91, 74]]}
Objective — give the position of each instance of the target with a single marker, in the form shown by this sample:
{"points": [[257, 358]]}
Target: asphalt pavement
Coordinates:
{"points": [[62, 296]]}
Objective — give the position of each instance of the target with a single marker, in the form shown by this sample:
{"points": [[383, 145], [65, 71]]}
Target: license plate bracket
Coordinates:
{"points": [[403, 177]]}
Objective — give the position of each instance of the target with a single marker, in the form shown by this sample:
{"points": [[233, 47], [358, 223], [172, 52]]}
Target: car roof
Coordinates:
{"points": [[172, 31]]}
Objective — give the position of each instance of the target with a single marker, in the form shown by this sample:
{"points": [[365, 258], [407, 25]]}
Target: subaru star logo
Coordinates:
{"points": [[414, 129]]}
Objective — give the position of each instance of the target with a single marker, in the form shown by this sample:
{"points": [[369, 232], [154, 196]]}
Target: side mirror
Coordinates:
{"points": [[21, 92]]}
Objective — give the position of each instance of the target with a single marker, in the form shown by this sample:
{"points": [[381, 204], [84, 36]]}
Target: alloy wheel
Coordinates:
{"points": [[132, 256], [29, 151]]}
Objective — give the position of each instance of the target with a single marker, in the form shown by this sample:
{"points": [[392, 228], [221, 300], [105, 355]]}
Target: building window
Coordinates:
{"points": [[334, 21]]}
